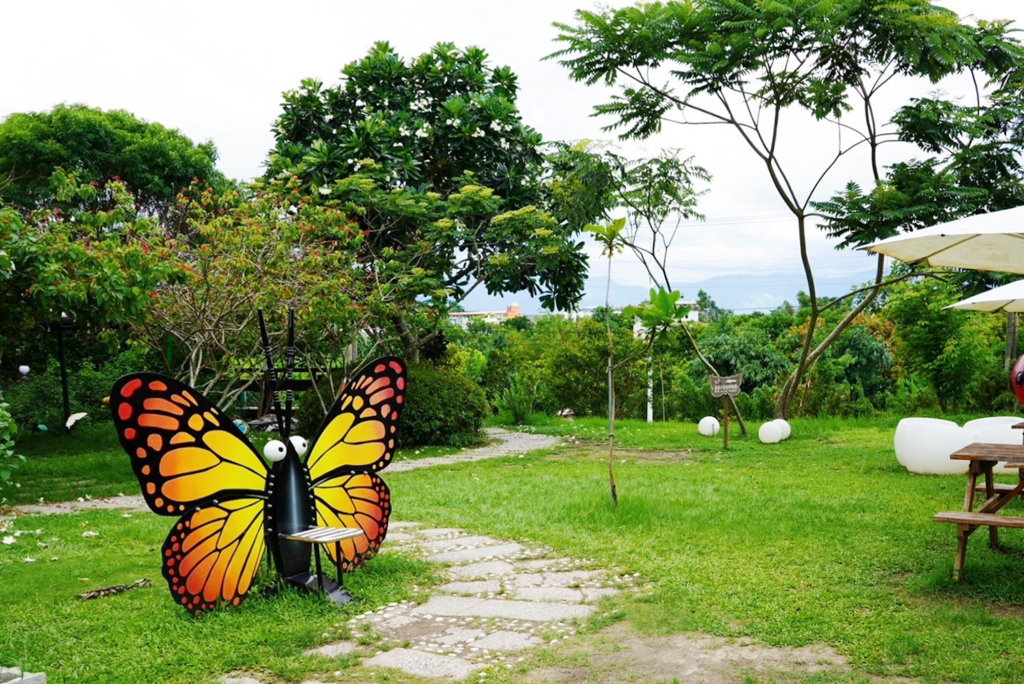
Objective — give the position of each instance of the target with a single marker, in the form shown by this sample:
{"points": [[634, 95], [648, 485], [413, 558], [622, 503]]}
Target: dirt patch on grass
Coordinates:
{"points": [[590, 452], [619, 653]]}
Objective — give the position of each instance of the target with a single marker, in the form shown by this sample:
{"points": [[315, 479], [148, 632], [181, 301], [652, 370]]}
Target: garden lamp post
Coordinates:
{"points": [[65, 323]]}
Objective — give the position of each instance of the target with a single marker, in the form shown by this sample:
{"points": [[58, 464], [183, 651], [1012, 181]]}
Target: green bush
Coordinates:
{"points": [[37, 400], [518, 399], [442, 407], [9, 460]]}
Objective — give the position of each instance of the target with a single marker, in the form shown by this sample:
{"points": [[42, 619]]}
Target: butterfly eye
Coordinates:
{"points": [[274, 450], [300, 445]]}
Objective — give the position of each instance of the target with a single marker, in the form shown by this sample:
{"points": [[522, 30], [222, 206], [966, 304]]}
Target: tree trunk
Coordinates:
{"points": [[409, 341], [611, 383]]}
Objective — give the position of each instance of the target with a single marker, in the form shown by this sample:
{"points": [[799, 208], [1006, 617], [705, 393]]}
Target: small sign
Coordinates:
{"points": [[726, 385]]}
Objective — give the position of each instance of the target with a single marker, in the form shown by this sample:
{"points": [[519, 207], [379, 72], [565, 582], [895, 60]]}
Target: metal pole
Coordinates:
{"points": [[63, 375], [725, 426]]}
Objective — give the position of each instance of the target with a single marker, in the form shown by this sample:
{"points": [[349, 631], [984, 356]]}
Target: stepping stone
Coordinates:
{"points": [[423, 664], [439, 532], [591, 595], [549, 594], [459, 635], [477, 587], [335, 650], [467, 555], [442, 544], [507, 641], [399, 537], [542, 563], [402, 525], [537, 611], [480, 569], [236, 678]]}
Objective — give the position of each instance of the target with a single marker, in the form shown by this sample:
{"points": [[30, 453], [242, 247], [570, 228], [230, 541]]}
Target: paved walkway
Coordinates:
{"points": [[501, 599], [505, 443]]}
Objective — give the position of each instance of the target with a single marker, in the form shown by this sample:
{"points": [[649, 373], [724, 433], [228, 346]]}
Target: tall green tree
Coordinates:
{"points": [[447, 184], [746, 64], [98, 146]]}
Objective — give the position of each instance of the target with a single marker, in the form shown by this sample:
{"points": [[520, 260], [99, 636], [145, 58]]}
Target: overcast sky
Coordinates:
{"points": [[216, 70]]}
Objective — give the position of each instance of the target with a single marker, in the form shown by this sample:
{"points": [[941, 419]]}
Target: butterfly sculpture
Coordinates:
{"points": [[194, 463]]}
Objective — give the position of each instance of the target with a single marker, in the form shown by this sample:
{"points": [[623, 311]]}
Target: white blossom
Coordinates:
{"points": [[28, 560], [9, 540], [478, 133], [325, 191], [90, 533]]}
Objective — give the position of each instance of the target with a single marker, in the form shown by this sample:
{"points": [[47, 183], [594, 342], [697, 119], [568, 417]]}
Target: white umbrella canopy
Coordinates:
{"points": [[983, 242], [1009, 298]]}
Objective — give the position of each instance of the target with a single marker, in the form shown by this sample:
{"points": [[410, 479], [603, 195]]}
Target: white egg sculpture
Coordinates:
{"points": [[784, 426], [770, 433], [708, 426], [923, 445]]}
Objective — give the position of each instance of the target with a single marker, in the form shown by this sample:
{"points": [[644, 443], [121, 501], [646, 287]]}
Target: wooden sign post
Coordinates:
{"points": [[726, 386]]}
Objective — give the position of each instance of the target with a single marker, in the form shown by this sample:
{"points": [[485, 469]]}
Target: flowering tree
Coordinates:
{"points": [[447, 184], [238, 253]]}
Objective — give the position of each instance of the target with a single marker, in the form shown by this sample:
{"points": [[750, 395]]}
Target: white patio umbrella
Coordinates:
{"points": [[1009, 298], [983, 242]]}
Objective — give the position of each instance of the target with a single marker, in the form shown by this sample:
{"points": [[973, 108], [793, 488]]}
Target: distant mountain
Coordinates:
{"points": [[740, 293]]}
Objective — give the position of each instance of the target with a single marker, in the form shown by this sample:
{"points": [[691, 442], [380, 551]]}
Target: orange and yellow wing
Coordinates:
{"points": [[359, 431], [183, 450], [212, 554], [356, 501]]}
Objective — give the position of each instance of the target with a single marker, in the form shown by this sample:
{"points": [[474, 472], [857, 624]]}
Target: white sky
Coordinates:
{"points": [[215, 71]]}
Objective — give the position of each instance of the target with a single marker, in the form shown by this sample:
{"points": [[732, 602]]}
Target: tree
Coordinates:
{"points": [[444, 180], [98, 146], [743, 64], [95, 265], [709, 310], [239, 252]]}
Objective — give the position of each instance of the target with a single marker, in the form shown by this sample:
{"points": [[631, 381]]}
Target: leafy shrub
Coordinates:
{"points": [[518, 399], [9, 460], [442, 407], [37, 400]]}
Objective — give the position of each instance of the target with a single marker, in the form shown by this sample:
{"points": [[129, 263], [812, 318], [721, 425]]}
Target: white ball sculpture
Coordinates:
{"points": [[708, 426], [923, 445], [770, 433], [996, 433], [983, 423], [784, 426]]}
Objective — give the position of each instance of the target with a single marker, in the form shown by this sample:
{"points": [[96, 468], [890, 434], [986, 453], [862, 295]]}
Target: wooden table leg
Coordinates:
{"points": [[972, 478], [990, 490], [962, 533]]}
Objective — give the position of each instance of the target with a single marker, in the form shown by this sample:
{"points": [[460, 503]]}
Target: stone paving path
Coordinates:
{"points": [[501, 599], [505, 443]]}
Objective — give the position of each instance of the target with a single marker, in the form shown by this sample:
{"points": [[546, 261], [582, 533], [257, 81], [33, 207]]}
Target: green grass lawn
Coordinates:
{"points": [[820, 539]]}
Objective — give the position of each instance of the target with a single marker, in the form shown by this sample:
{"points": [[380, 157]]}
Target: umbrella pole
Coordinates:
{"points": [[1010, 355]]}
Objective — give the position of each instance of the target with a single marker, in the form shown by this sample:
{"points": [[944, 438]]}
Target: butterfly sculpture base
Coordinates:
{"points": [[314, 584]]}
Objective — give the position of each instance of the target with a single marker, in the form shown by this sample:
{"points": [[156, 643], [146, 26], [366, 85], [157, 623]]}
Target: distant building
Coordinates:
{"points": [[462, 318]]}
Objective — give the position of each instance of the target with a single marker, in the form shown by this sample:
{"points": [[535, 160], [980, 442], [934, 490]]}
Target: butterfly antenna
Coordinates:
{"points": [[271, 372], [289, 369]]}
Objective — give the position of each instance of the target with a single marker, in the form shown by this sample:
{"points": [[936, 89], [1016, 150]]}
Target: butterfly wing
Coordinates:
{"points": [[359, 431], [212, 554], [193, 461], [183, 450], [354, 500], [356, 440]]}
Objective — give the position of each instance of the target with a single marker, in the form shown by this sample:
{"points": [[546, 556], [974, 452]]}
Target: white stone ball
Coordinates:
{"points": [[23, 369], [275, 450], [770, 433], [784, 426], [708, 426]]}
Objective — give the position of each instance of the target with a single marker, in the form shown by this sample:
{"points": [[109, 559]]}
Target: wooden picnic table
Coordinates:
{"points": [[982, 460]]}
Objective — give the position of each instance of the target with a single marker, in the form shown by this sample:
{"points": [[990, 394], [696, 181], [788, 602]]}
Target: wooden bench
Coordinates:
{"points": [[982, 459], [979, 519]]}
